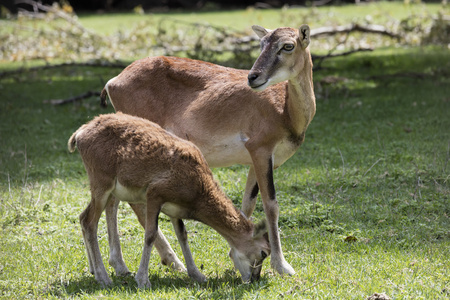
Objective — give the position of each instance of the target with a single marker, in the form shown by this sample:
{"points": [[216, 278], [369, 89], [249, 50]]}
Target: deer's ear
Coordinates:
{"points": [[260, 229], [304, 32], [260, 31]]}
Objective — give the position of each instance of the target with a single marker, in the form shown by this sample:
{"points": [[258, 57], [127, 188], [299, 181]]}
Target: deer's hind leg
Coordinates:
{"points": [[151, 233], [115, 251], [89, 225]]}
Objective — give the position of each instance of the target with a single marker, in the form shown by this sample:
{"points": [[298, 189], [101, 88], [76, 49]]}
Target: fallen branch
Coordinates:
{"points": [[322, 31], [415, 75], [321, 58], [61, 14], [341, 53], [301, 292], [73, 99], [332, 30], [70, 64]]}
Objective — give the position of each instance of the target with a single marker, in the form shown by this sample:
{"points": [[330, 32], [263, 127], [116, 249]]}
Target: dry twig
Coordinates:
{"points": [[370, 28], [73, 99], [68, 64], [58, 12], [301, 292]]}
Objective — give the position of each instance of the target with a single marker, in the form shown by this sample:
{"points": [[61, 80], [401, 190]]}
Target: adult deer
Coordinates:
{"points": [[257, 118], [137, 161]]}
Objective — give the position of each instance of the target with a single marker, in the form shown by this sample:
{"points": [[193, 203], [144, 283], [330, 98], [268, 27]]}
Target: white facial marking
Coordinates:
{"points": [[242, 264]]}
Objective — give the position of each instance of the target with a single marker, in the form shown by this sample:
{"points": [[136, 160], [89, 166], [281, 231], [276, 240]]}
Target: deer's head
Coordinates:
{"points": [[248, 257], [283, 55]]}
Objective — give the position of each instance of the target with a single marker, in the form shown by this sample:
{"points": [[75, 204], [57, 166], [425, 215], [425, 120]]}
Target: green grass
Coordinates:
{"points": [[364, 203]]}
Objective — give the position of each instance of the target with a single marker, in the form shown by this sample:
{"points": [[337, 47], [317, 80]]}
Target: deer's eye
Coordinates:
{"points": [[263, 254], [288, 47]]}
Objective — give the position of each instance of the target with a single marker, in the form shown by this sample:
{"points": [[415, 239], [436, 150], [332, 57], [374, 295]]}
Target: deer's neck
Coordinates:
{"points": [[229, 222], [300, 100]]}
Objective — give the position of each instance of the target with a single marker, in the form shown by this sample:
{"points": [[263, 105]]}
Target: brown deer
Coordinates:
{"points": [[137, 161], [257, 118]]}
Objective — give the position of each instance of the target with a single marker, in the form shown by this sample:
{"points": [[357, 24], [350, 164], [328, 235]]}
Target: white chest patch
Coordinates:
{"points": [[283, 151]]}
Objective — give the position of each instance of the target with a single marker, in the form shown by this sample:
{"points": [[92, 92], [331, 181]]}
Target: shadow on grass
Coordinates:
{"points": [[126, 285]]}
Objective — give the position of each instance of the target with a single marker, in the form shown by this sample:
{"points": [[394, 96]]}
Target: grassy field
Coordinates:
{"points": [[364, 204]]}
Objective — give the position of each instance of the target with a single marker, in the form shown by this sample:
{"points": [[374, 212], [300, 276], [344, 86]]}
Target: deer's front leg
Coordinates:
{"points": [[263, 164], [181, 233], [151, 232], [168, 256], [89, 225]]}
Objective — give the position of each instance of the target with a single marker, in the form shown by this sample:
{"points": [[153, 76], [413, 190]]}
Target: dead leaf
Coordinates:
{"points": [[379, 296], [351, 239]]}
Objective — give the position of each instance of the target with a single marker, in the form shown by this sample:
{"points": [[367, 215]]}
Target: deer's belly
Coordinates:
{"points": [[231, 150], [226, 151]]}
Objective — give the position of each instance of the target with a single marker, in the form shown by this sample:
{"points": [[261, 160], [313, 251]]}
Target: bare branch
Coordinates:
{"points": [[342, 53], [69, 64], [58, 12], [301, 291], [370, 28], [321, 58], [73, 99], [415, 75], [332, 30]]}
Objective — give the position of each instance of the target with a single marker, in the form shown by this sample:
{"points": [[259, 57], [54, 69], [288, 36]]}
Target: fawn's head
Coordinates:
{"points": [[248, 257]]}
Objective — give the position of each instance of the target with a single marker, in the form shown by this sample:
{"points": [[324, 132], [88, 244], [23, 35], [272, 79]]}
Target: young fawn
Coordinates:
{"points": [[137, 161]]}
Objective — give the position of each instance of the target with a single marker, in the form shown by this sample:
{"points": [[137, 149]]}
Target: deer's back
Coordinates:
{"points": [[159, 88], [138, 152]]}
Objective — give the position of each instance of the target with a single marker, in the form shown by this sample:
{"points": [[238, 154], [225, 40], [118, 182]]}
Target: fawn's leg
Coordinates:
{"points": [[181, 233]]}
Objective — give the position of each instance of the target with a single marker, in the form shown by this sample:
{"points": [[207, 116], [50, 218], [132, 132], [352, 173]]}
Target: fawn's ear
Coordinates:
{"points": [[260, 31], [304, 32], [260, 229]]}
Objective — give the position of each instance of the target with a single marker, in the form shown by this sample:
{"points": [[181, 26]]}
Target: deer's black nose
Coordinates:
{"points": [[252, 77]]}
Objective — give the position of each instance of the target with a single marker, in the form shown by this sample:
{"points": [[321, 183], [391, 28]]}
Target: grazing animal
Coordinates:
{"points": [[137, 161], [257, 117]]}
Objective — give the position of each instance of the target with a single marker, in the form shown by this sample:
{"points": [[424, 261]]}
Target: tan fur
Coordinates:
{"points": [[139, 162], [257, 117]]}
